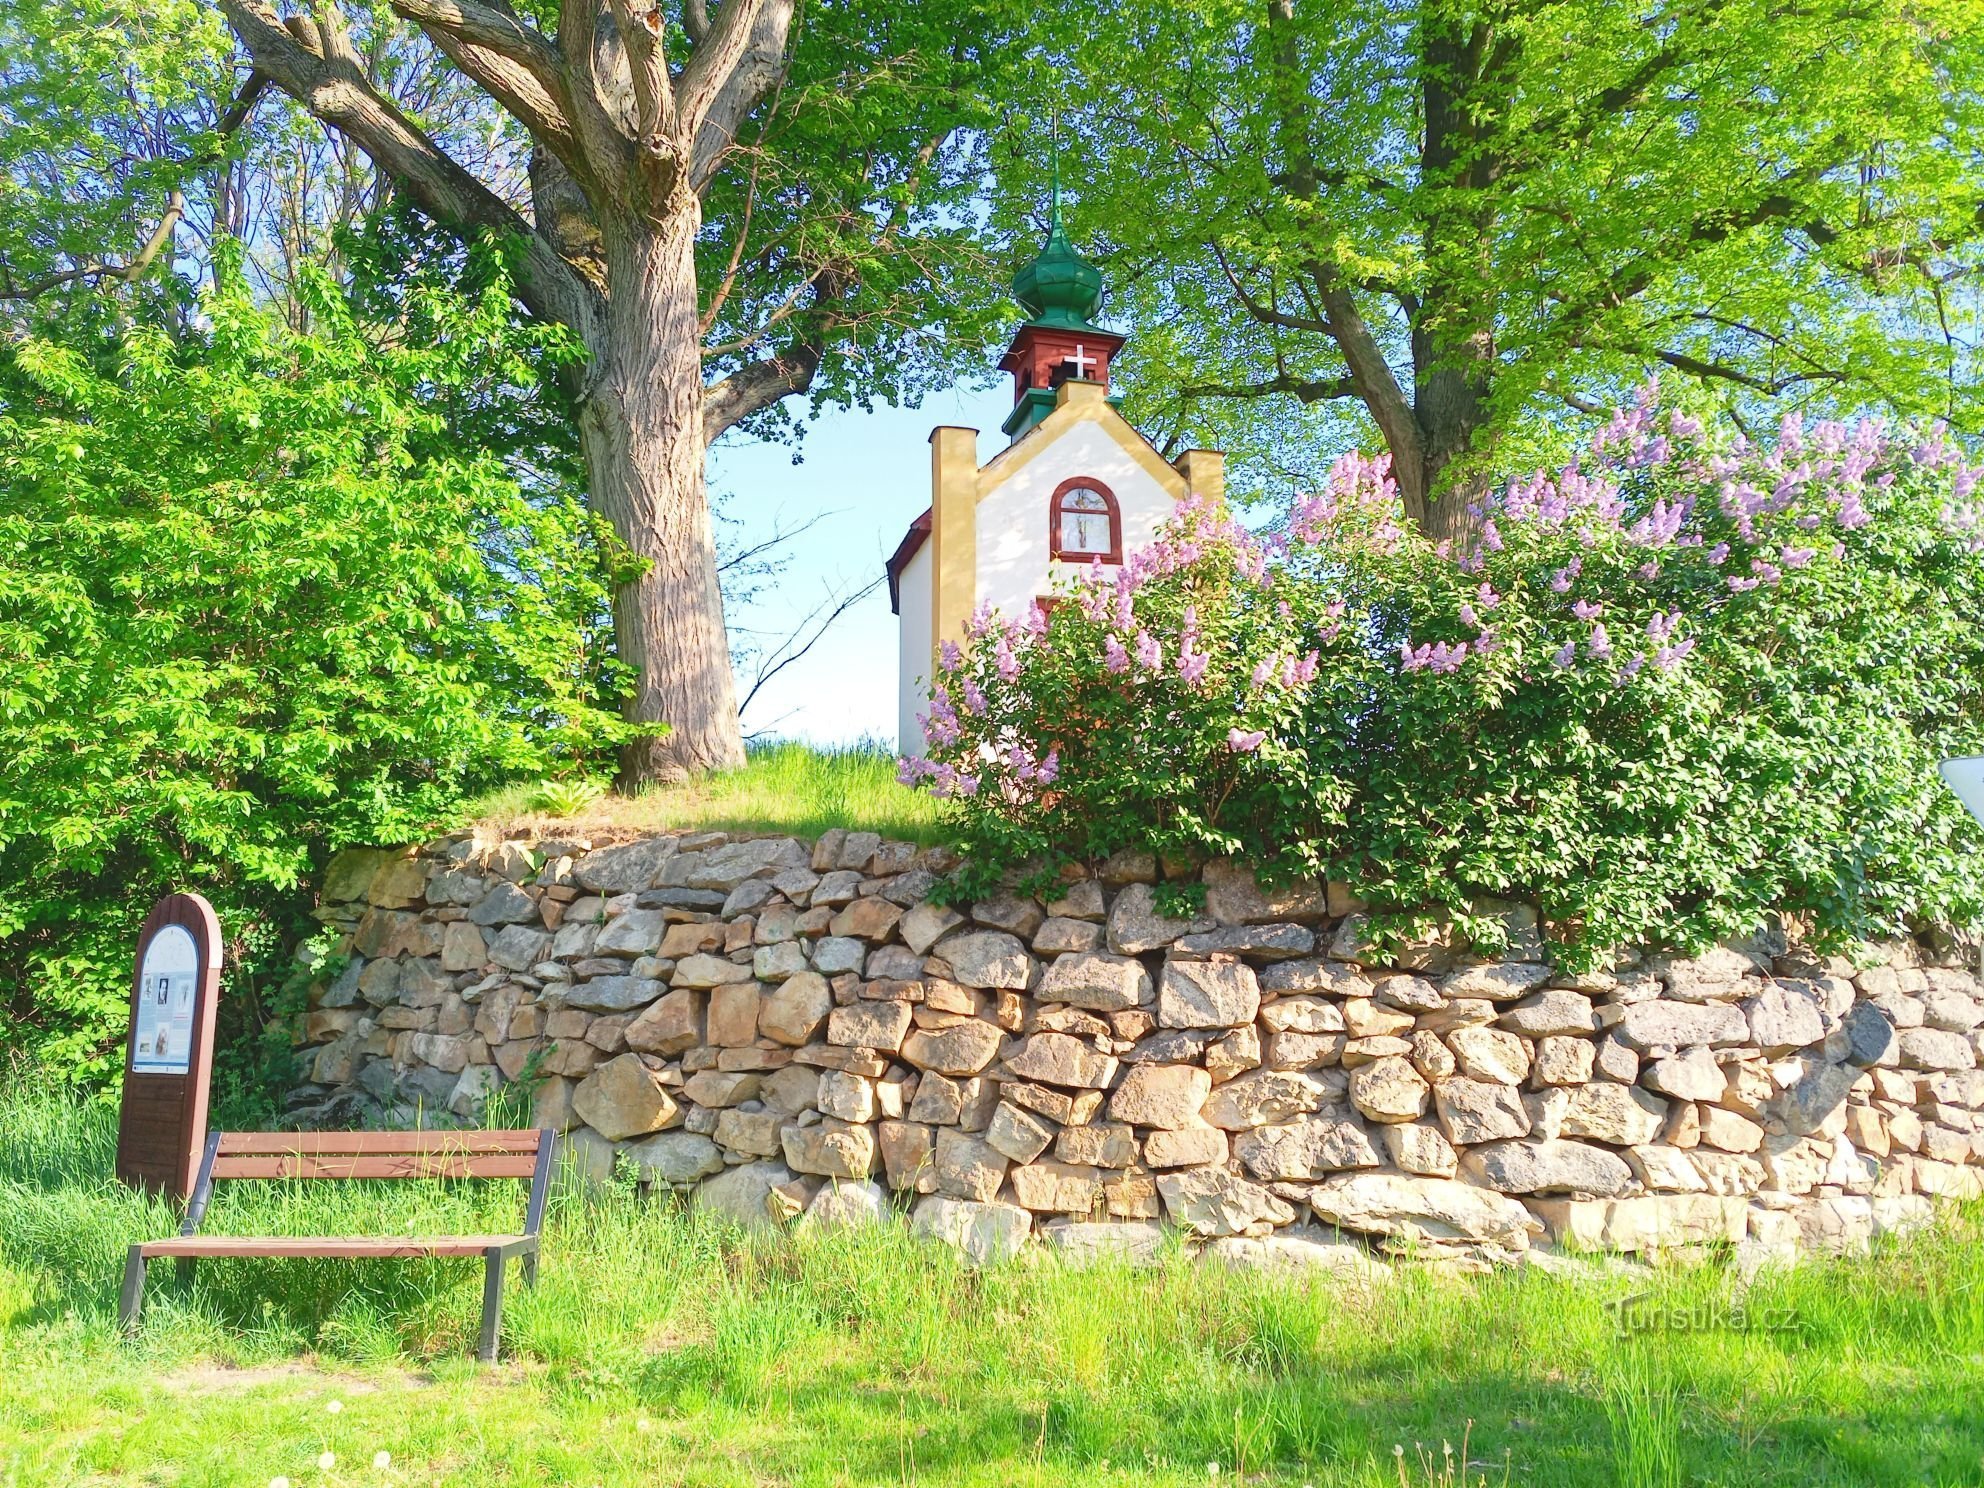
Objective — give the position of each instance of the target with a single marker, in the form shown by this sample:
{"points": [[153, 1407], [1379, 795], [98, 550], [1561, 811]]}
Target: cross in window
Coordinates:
{"points": [[1082, 361]]}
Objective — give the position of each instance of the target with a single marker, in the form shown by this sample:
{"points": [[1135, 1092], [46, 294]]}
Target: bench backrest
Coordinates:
{"points": [[378, 1154]]}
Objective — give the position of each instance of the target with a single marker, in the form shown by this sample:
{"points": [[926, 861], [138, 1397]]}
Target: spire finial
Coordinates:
{"points": [[1054, 200]]}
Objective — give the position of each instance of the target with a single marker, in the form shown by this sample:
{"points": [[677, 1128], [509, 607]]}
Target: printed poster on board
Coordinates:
{"points": [[163, 1044]]}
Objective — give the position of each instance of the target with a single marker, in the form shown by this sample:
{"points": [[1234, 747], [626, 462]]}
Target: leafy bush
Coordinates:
{"points": [[1672, 686], [255, 603]]}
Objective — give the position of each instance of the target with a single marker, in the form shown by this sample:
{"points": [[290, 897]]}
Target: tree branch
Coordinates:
{"points": [[796, 644], [759, 385], [756, 75], [1311, 390], [333, 89]]}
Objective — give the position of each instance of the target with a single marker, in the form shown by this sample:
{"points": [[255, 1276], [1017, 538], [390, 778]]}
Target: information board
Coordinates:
{"points": [[168, 1060]]}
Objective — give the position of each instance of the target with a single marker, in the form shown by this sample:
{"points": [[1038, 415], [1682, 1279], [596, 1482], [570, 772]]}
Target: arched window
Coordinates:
{"points": [[1084, 525]]}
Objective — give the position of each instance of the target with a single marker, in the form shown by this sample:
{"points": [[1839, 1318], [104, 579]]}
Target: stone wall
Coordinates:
{"points": [[785, 1027]]}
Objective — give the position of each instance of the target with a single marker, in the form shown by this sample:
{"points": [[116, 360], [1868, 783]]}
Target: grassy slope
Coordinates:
{"points": [[661, 1349], [784, 788]]}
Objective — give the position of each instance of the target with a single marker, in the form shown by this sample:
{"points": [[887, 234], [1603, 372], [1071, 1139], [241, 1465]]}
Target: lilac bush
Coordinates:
{"points": [[1679, 682]]}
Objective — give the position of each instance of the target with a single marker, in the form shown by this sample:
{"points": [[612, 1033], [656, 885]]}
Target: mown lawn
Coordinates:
{"points": [[783, 787], [659, 1349]]}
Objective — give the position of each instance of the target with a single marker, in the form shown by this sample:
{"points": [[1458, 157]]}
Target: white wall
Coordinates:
{"points": [[913, 637], [1013, 567]]}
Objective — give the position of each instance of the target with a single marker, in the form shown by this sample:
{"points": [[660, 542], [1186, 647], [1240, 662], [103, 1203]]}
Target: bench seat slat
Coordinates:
{"points": [[324, 1246], [479, 1143], [375, 1165]]}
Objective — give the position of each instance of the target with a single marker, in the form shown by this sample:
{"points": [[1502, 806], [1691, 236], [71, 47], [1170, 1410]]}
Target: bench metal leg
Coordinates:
{"points": [[183, 1271], [492, 1304], [132, 1300], [530, 1269]]}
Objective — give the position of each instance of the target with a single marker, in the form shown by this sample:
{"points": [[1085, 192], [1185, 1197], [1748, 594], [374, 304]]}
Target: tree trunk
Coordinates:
{"points": [[641, 430]]}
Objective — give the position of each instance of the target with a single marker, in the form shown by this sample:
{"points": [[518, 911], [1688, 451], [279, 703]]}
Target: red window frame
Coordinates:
{"points": [[1084, 482]]}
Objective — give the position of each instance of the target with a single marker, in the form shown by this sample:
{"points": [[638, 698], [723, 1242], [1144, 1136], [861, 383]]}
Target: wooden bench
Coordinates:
{"points": [[418, 1154]]}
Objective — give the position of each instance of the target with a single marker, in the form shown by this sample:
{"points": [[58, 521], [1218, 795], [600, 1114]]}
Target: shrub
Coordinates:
{"points": [[255, 603], [1673, 686]]}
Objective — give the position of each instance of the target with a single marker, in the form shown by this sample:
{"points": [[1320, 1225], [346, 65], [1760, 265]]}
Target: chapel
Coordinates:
{"points": [[1074, 488]]}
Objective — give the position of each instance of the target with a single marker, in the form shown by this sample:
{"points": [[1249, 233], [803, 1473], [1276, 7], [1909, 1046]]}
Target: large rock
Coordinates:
{"points": [[505, 904], [635, 933], [1784, 1018], [624, 1098], [1492, 1054], [1664, 1024], [724, 868], [1389, 1089], [670, 1026], [1692, 1075], [1422, 1209], [1097, 980], [925, 924], [1418, 1147], [1298, 1250], [832, 1149], [1264, 1098], [1019, 1135], [1477, 1111], [708, 971], [1623, 1115], [1504, 981], [1869, 1035], [1551, 1012], [1135, 926], [797, 1007], [985, 1233], [1057, 1188], [518, 947], [1934, 1049], [1169, 1096], [848, 1205], [1133, 1242], [1234, 896], [988, 958], [741, 1194], [869, 1025], [676, 1157], [1302, 1150], [1548, 1167], [1650, 1222], [967, 1167], [629, 867], [613, 994], [1062, 1059], [963, 1049], [1212, 1202], [1207, 994]]}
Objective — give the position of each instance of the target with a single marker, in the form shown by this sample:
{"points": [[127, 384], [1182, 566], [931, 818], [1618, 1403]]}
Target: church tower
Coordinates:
{"points": [[1075, 487]]}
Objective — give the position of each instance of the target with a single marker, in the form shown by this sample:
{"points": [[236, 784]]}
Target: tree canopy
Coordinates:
{"points": [[1460, 227]]}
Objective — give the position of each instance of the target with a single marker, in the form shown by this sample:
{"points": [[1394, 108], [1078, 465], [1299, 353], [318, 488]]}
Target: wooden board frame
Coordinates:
{"points": [[162, 1124]]}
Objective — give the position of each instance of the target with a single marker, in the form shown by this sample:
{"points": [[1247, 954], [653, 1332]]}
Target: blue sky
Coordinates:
{"points": [[871, 471]]}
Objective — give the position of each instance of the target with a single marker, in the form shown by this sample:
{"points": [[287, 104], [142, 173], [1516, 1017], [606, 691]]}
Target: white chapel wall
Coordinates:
{"points": [[913, 636], [1013, 566]]}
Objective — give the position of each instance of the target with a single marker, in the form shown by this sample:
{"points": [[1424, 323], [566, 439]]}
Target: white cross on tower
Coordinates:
{"points": [[1082, 361]]}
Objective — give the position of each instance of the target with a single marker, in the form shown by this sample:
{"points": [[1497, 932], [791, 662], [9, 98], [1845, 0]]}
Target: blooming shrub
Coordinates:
{"points": [[1669, 687]]}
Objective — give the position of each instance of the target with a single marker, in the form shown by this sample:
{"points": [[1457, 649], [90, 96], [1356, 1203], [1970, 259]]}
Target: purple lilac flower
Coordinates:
{"points": [[949, 656], [1003, 658], [974, 700], [1242, 742], [1114, 657], [1468, 617], [1600, 644], [1491, 536], [1719, 553], [1797, 557], [1566, 655], [1150, 652], [1585, 609], [1266, 668], [1561, 580], [1669, 657], [1192, 664]]}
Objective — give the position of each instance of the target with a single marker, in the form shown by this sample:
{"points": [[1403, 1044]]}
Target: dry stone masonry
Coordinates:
{"points": [[785, 1029]]}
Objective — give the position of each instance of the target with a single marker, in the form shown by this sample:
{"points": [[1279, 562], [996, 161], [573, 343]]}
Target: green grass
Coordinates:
{"points": [[661, 1349], [782, 788]]}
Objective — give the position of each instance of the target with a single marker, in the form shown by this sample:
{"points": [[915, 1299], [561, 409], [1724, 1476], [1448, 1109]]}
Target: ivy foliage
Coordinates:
{"points": [[257, 601], [1677, 685]]}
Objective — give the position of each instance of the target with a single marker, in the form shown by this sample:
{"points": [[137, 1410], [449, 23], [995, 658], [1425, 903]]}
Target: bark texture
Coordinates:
{"points": [[628, 127]]}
